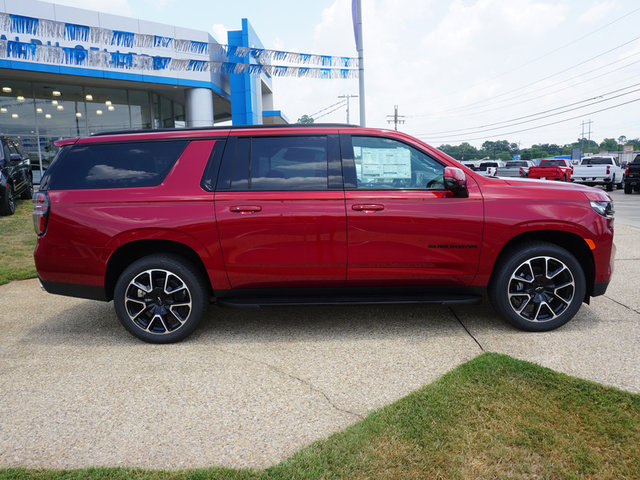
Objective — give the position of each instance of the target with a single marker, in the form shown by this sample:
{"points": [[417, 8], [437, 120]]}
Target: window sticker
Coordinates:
{"points": [[384, 163]]}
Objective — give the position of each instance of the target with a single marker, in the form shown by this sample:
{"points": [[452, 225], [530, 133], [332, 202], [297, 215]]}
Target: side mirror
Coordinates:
{"points": [[455, 181], [15, 157]]}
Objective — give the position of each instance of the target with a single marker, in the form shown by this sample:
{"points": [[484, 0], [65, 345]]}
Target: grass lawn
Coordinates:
{"points": [[493, 417], [17, 243]]}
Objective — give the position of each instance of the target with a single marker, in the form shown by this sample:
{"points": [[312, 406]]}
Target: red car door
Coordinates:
{"points": [[403, 227], [280, 210]]}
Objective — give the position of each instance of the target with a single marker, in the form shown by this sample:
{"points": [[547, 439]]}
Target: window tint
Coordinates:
{"points": [[115, 165], [6, 152], [596, 161], [382, 163], [281, 163]]}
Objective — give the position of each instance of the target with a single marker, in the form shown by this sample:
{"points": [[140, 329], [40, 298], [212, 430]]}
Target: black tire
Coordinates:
{"points": [[627, 188], [609, 186], [636, 188], [161, 282], [8, 203], [564, 178], [27, 194], [537, 286]]}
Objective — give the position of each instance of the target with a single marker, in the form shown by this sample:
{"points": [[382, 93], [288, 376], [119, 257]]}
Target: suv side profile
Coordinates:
{"points": [[15, 176], [163, 222]]}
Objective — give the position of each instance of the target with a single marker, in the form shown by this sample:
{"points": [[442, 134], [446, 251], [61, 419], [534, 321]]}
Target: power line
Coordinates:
{"points": [[334, 110], [551, 86], [559, 48], [326, 108], [471, 105], [538, 126], [482, 128]]}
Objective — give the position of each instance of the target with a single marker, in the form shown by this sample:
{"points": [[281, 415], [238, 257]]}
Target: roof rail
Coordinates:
{"points": [[228, 127]]}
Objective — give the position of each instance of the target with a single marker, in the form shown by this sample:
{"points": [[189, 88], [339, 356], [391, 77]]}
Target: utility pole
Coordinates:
{"points": [[582, 135], [395, 118], [347, 96]]}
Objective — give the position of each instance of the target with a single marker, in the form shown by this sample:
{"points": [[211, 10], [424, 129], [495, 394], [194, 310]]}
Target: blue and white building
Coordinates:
{"points": [[68, 72]]}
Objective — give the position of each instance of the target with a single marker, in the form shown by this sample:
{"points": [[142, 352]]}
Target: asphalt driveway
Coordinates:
{"points": [[251, 387]]}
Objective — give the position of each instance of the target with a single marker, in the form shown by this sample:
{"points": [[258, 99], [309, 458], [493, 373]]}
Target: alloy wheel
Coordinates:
{"points": [[158, 301], [541, 289]]}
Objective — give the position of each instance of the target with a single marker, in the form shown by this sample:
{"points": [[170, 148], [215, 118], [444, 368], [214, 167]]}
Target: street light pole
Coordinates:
{"points": [[359, 46]]}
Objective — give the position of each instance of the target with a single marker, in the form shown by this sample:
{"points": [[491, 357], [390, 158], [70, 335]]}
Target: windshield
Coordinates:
{"points": [[516, 164], [552, 163]]}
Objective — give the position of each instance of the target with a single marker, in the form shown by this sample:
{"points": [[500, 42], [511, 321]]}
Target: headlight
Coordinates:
{"points": [[603, 208]]}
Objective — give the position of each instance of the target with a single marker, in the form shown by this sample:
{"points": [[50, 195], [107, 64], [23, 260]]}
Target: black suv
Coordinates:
{"points": [[16, 179]]}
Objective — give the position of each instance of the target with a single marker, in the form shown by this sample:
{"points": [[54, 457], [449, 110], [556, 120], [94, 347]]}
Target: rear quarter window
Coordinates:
{"points": [[114, 165]]}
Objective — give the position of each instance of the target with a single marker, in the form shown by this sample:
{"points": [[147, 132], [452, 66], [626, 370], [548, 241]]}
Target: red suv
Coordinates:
{"points": [[164, 221]]}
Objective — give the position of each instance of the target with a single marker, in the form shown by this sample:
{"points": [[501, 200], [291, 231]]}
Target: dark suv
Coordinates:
{"points": [[162, 222], [15, 176]]}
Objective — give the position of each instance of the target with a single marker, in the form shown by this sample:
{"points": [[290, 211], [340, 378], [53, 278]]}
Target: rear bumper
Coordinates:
{"points": [[92, 292]]}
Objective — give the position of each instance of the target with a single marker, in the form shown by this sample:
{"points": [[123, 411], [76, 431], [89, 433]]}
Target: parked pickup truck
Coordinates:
{"points": [[552, 169], [488, 169], [603, 170], [632, 176], [515, 168]]}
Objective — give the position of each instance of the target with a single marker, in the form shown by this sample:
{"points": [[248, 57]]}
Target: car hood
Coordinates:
{"points": [[591, 192]]}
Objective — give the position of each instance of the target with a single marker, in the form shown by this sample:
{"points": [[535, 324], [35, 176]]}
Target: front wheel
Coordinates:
{"points": [[160, 298], [28, 192], [537, 286]]}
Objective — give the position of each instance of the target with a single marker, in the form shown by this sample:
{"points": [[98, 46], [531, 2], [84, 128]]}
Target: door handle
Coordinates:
{"points": [[367, 207], [243, 209]]}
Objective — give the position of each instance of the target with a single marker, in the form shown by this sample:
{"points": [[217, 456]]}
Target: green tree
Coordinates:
{"points": [[609, 145], [305, 119]]}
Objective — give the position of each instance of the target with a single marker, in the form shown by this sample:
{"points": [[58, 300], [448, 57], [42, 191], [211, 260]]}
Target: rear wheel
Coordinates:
{"points": [[610, 185], [537, 286], [161, 298], [564, 178], [627, 188], [8, 204]]}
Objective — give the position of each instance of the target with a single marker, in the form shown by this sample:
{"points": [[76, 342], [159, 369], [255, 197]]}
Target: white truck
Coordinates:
{"points": [[601, 170]]}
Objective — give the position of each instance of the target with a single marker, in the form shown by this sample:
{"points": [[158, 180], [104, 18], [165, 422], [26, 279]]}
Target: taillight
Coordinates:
{"points": [[626, 170], [40, 212], [522, 171], [608, 169]]}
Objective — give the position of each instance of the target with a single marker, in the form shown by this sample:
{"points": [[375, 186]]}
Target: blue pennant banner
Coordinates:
{"points": [[79, 56], [76, 32], [102, 36]]}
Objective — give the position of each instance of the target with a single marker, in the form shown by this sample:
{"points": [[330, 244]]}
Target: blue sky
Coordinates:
{"points": [[459, 70]]}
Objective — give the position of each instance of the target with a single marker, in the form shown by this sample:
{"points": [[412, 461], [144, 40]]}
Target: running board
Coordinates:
{"points": [[358, 300]]}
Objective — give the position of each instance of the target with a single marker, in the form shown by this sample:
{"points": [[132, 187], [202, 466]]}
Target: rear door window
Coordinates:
{"points": [[115, 165], [280, 163]]}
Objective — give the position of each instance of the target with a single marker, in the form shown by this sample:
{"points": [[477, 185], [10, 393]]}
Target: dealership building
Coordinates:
{"points": [[67, 72]]}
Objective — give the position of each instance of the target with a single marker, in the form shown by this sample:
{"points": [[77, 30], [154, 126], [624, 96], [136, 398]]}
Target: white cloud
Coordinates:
{"points": [[219, 32], [451, 65], [598, 11]]}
